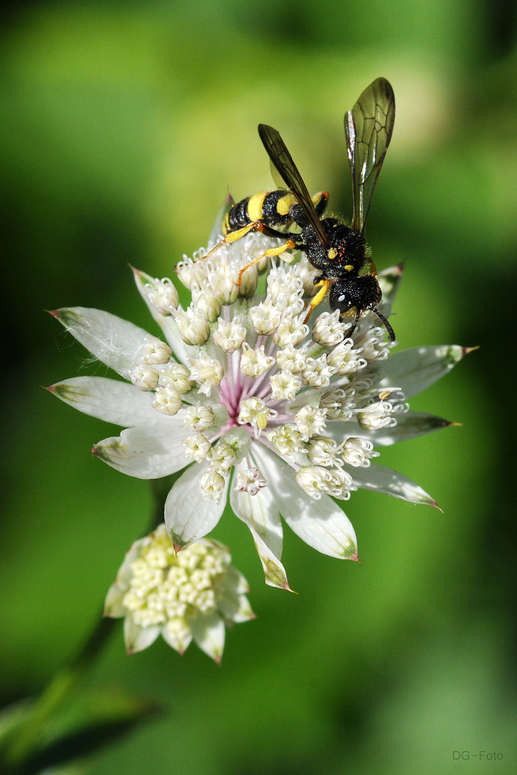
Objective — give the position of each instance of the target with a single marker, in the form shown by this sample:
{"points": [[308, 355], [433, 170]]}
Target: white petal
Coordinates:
{"points": [[113, 606], [231, 602], [179, 644], [409, 425], [188, 515], [125, 574], [389, 280], [236, 581], [138, 638], [166, 322], [148, 451], [320, 523], [385, 480], [274, 571], [415, 369], [261, 515], [107, 399], [259, 512], [235, 609], [208, 632], [111, 339]]}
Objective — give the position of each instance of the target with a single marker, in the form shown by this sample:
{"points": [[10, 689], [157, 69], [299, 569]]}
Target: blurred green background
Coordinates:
{"points": [[124, 125]]}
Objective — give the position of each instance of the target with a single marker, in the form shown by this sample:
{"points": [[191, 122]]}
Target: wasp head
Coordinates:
{"points": [[361, 293]]}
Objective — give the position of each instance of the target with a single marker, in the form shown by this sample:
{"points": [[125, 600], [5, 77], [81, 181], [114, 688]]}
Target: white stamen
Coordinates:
{"points": [[212, 485], [255, 362], [250, 481], [144, 377], [193, 326], [265, 318], [284, 385], [230, 335], [199, 417], [163, 296], [287, 439], [357, 452], [292, 359], [153, 351], [176, 375], [317, 372], [207, 371], [328, 330], [322, 451], [310, 420], [196, 446], [346, 358], [255, 412], [167, 400], [377, 415]]}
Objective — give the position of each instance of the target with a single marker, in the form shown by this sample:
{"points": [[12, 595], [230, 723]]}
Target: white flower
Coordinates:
{"points": [[253, 405], [190, 595]]}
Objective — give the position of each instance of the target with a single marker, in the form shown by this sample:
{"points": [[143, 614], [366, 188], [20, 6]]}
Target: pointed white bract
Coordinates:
{"points": [[182, 597], [260, 408]]}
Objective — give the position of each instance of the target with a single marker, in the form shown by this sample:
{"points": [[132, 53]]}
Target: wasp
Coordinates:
{"points": [[338, 251]]}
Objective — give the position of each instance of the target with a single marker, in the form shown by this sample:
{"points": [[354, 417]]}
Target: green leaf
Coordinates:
{"points": [[95, 720]]}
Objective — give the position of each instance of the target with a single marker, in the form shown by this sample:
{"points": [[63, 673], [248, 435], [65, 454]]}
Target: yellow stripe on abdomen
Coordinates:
{"points": [[284, 204], [255, 206]]}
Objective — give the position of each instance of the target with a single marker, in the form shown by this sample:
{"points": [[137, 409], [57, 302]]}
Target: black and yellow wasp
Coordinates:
{"points": [[338, 251]]}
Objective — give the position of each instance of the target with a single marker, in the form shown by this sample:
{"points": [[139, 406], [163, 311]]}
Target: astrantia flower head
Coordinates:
{"points": [[257, 407], [192, 595]]}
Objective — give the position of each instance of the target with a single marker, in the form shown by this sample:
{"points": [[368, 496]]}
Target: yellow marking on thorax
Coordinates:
{"points": [[226, 225], [283, 205], [255, 205]]}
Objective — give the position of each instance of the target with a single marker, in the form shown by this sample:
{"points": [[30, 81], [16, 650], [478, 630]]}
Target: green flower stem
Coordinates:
{"points": [[62, 685], [56, 694]]}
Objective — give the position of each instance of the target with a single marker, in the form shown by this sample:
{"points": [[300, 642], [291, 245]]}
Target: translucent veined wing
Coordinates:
{"points": [[283, 162], [368, 130], [278, 179]]}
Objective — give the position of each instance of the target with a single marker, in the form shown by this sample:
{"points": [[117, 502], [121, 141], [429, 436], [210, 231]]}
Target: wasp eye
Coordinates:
{"points": [[340, 298], [343, 304]]}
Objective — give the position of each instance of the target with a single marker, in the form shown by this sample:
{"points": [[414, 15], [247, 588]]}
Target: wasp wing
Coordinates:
{"points": [[368, 130], [283, 162], [277, 178]]}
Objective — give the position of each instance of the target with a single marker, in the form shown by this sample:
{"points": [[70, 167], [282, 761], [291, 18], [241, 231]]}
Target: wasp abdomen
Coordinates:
{"points": [[271, 207], [236, 216]]}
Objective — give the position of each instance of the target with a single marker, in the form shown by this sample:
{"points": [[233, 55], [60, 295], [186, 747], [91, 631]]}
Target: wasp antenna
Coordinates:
{"points": [[391, 332]]}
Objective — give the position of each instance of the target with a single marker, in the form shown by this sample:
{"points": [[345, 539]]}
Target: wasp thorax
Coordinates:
{"points": [[346, 248]]}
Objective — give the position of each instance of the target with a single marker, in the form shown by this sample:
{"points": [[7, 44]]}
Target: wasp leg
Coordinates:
{"points": [[233, 236], [289, 245], [260, 226], [318, 298], [356, 320]]}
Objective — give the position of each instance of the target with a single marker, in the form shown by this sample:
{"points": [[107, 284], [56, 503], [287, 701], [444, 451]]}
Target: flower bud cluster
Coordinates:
{"points": [[161, 592]]}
